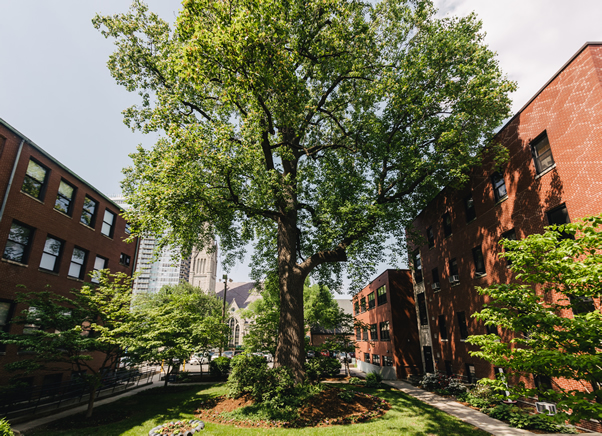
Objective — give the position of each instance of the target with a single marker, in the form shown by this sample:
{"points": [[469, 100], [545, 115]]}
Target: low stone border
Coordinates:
{"points": [[200, 425]]}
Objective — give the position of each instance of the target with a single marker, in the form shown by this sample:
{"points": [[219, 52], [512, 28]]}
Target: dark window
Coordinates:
{"points": [[454, 277], [373, 332], [447, 224], [358, 334], [364, 334], [542, 154], [357, 307], [34, 183], [367, 357], [371, 301], [387, 361], [469, 208], [427, 352], [363, 304], [417, 267], [51, 254], [19, 241], [471, 373], [436, 282], [462, 324], [511, 235], [376, 359], [6, 313], [384, 331], [424, 320], [499, 186], [559, 217], [448, 368], [492, 329], [124, 259], [542, 382], [99, 264], [442, 327], [479, 261], [582, 305], [76, 267], [381, 295], [64, 198], [430, 236], [108, 223], [89, 212], [128, 229]]}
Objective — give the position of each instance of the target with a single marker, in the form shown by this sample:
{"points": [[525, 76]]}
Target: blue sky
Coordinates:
{"points": [[55, 87]]}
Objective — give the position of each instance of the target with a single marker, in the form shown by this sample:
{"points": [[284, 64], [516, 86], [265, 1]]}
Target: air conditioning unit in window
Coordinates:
{"points": [[547, 408], [454, 279], [436, 286]]}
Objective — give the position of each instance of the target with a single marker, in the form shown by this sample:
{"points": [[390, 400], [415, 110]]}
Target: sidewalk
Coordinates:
{"points": [[463, 413]]}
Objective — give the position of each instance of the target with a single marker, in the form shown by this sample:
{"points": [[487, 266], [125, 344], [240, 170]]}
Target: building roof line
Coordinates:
{"points": [[57, 162]]}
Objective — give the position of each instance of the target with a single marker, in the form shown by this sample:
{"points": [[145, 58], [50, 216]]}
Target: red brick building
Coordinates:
{"points": [[54, 230], [553, 176], [389, 345]]}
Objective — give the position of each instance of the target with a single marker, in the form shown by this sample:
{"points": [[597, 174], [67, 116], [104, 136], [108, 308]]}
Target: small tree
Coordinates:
{"points": [[551, 325], [174, 323], [82, 332], [344, 337]]}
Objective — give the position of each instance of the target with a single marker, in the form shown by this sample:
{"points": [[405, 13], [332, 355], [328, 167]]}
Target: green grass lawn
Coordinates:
{"points": [[150, 408]]}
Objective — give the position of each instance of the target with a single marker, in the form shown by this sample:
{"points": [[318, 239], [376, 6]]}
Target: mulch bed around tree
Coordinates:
{"points": [[324, 409]]}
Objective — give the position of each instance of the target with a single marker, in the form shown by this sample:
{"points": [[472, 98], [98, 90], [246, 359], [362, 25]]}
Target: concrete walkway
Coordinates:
{"points": [[452, 407]]}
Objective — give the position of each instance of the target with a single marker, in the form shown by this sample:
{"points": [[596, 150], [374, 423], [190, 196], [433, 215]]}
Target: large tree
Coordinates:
{"points": [[551, 319], [316, 128]]}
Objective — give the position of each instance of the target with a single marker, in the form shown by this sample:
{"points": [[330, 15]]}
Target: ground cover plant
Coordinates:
{"points": [[138, 414]]}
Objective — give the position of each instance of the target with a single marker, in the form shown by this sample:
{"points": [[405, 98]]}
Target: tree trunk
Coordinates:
{"points": [[91, 401], [290, 349]]}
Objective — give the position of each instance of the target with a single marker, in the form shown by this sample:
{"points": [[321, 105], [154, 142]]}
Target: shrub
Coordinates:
{"points": [[321, 367], [373, 380], [280, 389], [5, 429], [183, 376], [220, 366], [248, 376], [432, 382], [502, 412], [355, 381], [346, 396]]}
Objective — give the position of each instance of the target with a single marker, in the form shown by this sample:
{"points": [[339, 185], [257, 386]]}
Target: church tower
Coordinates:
{"points": [[203, 269]]}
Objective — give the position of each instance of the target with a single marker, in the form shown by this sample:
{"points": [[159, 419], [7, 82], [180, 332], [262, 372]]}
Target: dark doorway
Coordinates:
{"points": [[428, 359]]}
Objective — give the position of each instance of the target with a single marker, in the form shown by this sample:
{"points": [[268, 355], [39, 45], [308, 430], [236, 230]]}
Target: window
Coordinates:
{"points": [[542, 382], [417, 267], [582, 305], [89, 212], [560, 216], [367, 357], [424, 320], [128, 229], [449, 368], [99, 264], [511, 235], [51, 254], [462, 324], [471, 373], [6, 313], [471, 214], [363, 304], [357, 307], [364, 334], [107, 223], [358, 334], [387, 361], [454, 277], [381, 295], [373, 332], [442, 327], [430, 236], [371, 301], [447, 224], [376, 359], [124, 259], [33, 321], [18, 243], [492, 329], [34, 183], [542, 153], [499, 186], [64, 198], [76, 267], [479, 261], [384, 331], [436, 282]]}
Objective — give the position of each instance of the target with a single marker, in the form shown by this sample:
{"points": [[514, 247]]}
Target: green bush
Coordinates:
{"points": [[346, 396], [220, 367], [280, 389], [503, 412], [355, 381], [248, 376], [373, 380], [322, 366], [5, 429]]}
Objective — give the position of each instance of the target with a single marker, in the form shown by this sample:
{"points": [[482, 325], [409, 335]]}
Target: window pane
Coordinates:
{"points": [[36, 172], [32, 187], [66, 190], [14, 251], [109, 217], [99, 263], [4, 312], [106, 229], [19, 234], [48, 262], [75, 270], [52, 246]]}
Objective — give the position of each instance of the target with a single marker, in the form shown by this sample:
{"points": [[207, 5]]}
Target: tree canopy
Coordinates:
{"points": [[315, 128], [550, 324]]}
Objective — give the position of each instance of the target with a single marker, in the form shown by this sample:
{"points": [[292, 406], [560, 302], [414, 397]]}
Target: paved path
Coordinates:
{"points": [[464, 413]]}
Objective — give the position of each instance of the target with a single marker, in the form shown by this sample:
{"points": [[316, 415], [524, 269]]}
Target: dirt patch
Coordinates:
{"points": [[324, 409]]}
